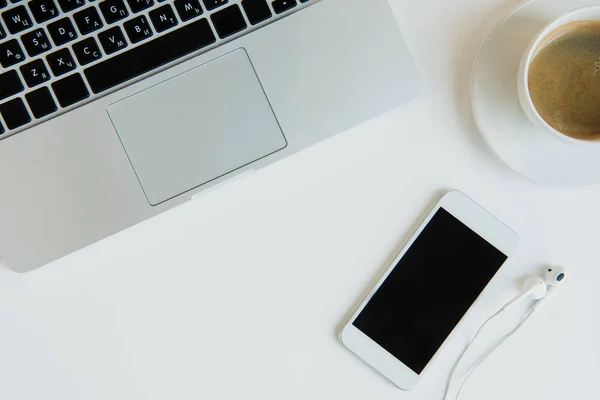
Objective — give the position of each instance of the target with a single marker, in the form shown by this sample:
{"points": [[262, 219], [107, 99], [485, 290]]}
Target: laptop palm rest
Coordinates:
{"points": [[197, 127]]}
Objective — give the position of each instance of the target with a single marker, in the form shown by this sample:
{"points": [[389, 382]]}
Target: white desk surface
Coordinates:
{"points": [[239, 294]]}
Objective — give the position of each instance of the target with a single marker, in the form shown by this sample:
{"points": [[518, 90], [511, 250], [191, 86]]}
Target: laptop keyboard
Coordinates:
{"points": [[57, 55]]}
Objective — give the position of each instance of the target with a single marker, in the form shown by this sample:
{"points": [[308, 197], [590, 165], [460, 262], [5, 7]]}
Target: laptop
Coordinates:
{"points": [[114, 111]]}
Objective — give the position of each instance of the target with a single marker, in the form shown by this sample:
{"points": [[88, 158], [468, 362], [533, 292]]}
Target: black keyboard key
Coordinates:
{"points": [[113, 10], [163, 18], [283, 5], [70, 5], [36, 42], [17, 19], [11, 53], [10, 84], [257, 10], [3, 3], [14, 113], [112, 40], [61, 62], [212, 4], [1, 128], [2, 32], [138, 29], [149, 56], [35, 72], [188, 9], [70, 90], [228, 21], [41, 102], [43, 10], [88, 20], [87, 51], [62, 31], [139, 5]]}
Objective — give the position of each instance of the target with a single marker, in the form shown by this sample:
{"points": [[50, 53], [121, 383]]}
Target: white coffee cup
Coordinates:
{"points": [[591, 13]]}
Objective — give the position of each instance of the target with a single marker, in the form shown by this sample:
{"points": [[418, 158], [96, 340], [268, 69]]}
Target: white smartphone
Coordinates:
{"points": [[430, 286]]}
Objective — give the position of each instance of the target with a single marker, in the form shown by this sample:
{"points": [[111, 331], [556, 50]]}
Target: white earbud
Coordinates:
{"points": [[554, 276], [539, 289], [534, 288]]}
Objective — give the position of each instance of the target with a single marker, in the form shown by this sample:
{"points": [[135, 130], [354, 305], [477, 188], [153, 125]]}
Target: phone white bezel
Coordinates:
{"points": [[477, 219]]}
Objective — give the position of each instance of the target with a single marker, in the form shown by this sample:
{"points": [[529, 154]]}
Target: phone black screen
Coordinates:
{"points": [[429, 290]]}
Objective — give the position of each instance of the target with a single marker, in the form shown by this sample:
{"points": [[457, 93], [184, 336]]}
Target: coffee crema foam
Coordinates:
{"points": [[564, 80]]}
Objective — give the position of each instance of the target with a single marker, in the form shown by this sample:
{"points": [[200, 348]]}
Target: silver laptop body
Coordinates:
{"points": [[137, 148]]}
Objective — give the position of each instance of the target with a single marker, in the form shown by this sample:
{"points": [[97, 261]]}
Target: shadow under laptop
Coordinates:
{"points": [[9, 279], [3, 266]]}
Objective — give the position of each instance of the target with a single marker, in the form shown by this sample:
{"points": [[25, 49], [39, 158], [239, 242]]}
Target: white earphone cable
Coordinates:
{"points": [[491, 350], [464, 352], [485, 356]]}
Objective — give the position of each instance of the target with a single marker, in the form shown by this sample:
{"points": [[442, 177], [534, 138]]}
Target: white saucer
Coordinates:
{"points": [[528, 150]]}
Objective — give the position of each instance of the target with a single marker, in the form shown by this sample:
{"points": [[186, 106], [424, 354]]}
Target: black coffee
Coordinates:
{"points": [[564, 80]]}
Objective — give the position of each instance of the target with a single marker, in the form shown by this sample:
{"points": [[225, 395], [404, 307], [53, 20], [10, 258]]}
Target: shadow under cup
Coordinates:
{"points": [[563, 79]]}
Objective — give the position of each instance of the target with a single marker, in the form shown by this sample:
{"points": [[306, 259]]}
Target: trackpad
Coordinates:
{"points": [[197, 126]]}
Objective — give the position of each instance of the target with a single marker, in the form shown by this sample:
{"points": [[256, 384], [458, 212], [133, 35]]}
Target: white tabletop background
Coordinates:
{"points": [[240, 293]]}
